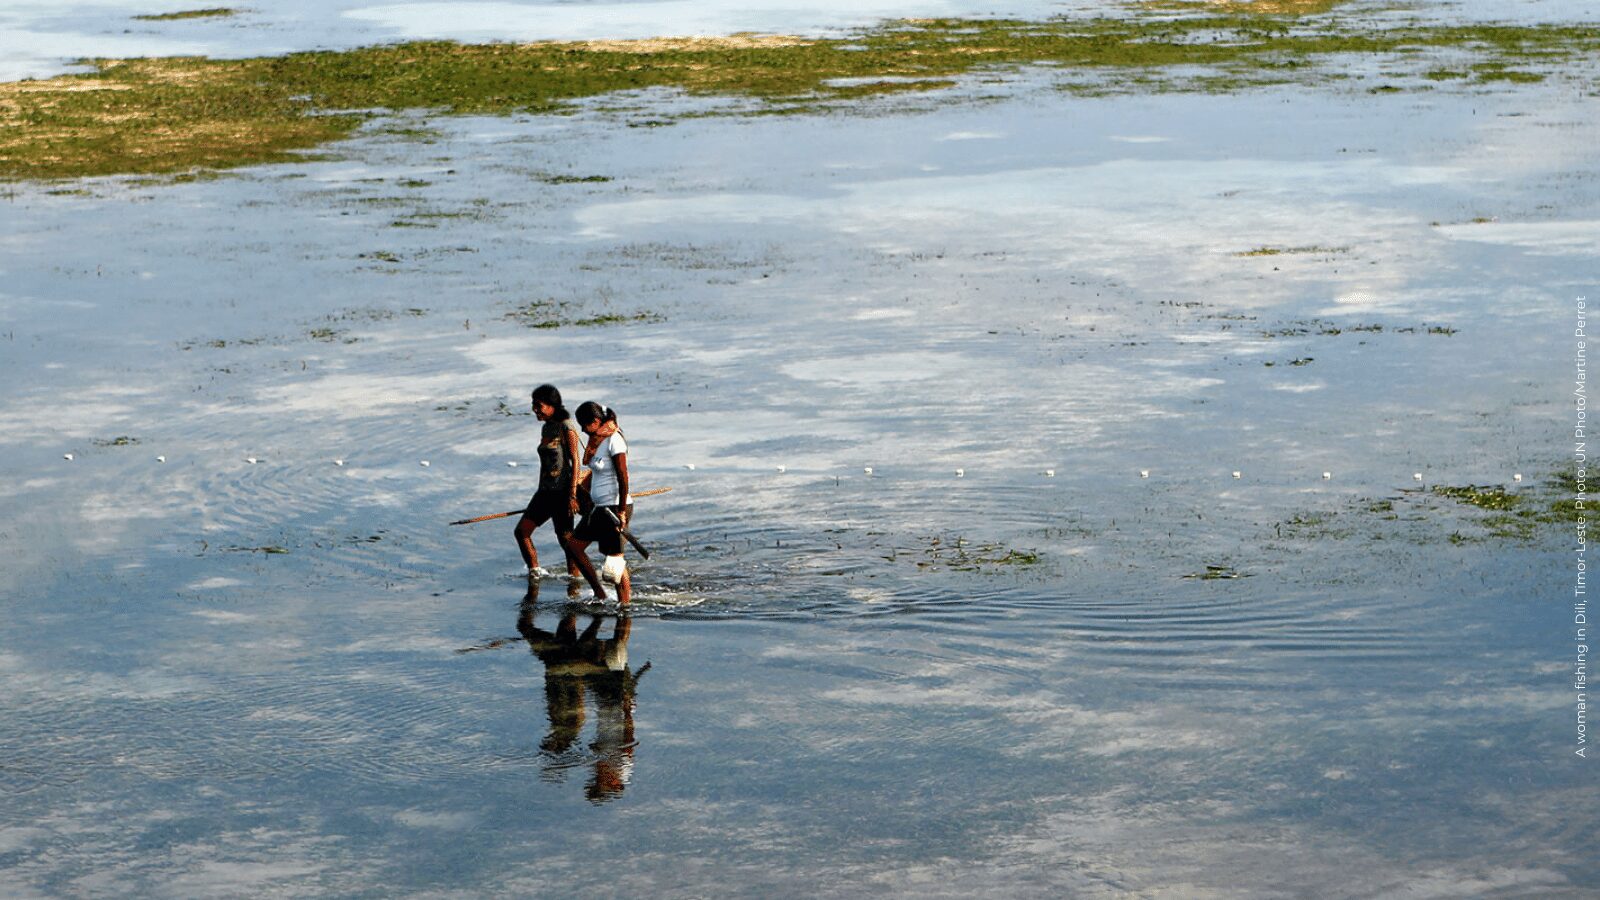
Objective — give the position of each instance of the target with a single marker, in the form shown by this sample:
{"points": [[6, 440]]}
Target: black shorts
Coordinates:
{"points": [[601, 529], [550, 506]]}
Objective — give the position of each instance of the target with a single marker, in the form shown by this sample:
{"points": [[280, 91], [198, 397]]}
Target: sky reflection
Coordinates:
{"points": [[227, 676]]}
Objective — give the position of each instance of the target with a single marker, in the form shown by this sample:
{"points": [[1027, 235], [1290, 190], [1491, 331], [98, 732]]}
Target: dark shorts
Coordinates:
{"points": [[598, 528], [552, 507]]}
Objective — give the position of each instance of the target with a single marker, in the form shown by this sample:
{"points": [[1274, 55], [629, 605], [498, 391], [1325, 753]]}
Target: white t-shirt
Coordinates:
{"points": [[603, 470]]}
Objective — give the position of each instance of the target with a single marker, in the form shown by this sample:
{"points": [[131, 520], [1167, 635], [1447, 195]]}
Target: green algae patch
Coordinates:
{"points": [[878, 88], [1499, 72], [1214, 572], [179, 115], [613, 319], [1468, 514], [551, 313], [1512, 515], [1316, 525], [1281, 251], [1246, 7], [958, 554], [573, 179], [1481, 496], [1522, 515], [215, 12], [1324, 328]]}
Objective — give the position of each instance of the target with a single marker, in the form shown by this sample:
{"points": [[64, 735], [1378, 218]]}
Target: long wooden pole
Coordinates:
{"points": [[518, 512]]}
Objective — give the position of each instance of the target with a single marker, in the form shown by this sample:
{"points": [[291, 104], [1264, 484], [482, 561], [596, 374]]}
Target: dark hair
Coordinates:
{"points": [[547, 393], [590, 411]]}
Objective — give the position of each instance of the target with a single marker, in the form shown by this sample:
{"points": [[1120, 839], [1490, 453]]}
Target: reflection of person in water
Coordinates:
{"points": [[578, 663]]}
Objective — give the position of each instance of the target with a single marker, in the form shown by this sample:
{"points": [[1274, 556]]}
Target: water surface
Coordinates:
{"points": [[835, 682]]}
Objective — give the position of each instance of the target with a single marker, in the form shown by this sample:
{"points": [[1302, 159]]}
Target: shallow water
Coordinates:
{"points": [[855, 682]]}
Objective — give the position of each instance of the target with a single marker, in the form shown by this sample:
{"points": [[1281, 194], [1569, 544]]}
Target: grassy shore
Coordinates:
{"points": [[181, 114]]}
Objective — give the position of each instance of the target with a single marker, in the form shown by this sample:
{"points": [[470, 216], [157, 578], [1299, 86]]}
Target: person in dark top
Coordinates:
{"points": [[556, 499]]}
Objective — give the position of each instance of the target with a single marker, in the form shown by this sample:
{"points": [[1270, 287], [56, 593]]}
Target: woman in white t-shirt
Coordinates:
{"points": [[606, 456]]}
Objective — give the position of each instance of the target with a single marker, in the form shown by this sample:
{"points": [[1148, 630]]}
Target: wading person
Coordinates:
{"points": [[606, 456], [556, 499]]}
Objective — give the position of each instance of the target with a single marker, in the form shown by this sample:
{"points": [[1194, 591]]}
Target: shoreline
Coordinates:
{"points": [[188, 115]]}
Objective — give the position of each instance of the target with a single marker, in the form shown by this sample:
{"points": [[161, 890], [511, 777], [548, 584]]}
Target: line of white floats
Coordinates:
{"points": [[866, 470]]}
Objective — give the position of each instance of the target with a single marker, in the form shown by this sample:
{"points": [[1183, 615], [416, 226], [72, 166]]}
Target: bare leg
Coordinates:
{"points": [[567, 540], [579, 558], [524, 532], [625, 588], [573, 571]]}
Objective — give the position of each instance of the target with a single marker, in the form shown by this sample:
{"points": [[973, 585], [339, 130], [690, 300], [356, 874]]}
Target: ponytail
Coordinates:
{"points": [[591, 411]]}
